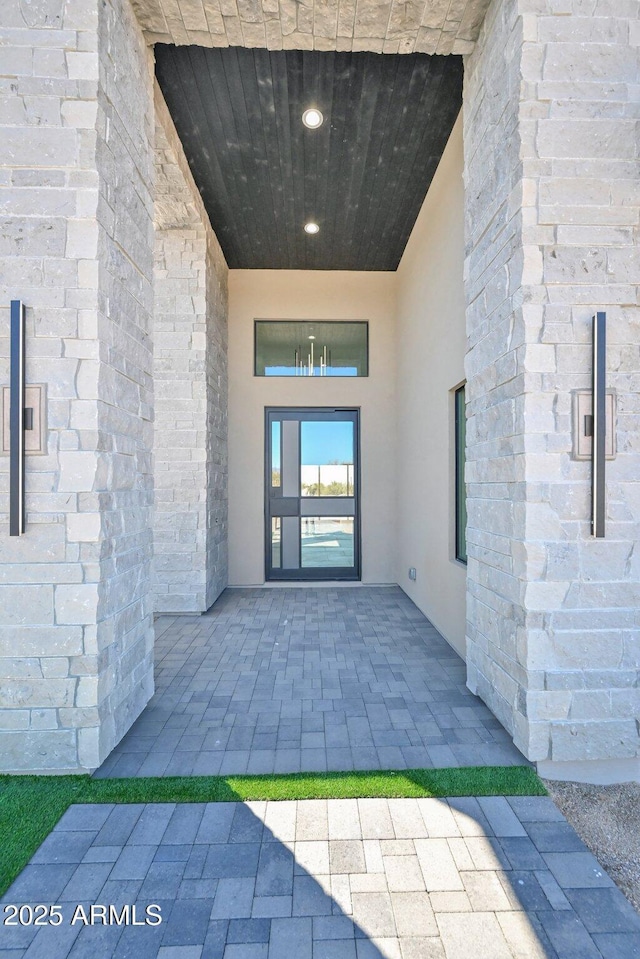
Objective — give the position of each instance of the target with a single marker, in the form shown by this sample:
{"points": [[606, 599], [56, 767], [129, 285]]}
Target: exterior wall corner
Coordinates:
{"points": [[75, 653], [552, 216]]}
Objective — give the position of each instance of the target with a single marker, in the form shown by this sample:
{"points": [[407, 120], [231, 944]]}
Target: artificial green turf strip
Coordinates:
{"points": [[30, 806]]}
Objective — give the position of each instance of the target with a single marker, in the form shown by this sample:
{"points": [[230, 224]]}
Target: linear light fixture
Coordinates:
{"points": [[16, 421], [599, 390]]}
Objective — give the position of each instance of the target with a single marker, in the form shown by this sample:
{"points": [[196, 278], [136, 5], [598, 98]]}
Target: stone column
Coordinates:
{"points": [[76, 245], [552, 217], [190, 364]]}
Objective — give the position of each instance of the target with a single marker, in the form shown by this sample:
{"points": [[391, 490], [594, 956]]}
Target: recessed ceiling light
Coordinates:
{"points": [[312, 337], [311, 228], [312, 118]]}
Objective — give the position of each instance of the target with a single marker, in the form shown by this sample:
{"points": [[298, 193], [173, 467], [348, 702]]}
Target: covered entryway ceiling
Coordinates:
{"points": [[362, 176]]}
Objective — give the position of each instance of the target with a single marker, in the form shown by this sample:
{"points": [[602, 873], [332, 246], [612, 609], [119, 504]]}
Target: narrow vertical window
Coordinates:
{"points": [[276, 476], [461, 496]]}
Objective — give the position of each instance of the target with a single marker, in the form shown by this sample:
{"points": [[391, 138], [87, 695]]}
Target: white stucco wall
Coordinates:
{"points": [[431, 342], [284, 294]]}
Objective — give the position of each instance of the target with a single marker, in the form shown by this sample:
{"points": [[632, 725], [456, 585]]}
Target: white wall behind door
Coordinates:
{"points": [[301, 294]]}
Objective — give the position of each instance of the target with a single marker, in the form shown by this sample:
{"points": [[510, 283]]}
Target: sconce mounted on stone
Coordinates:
{"points": [[17, 420], [23, 420], [598, 447]]}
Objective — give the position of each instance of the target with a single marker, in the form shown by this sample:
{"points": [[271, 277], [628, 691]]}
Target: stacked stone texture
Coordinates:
{"points": [[76, 176], [216, 371], [190, 362], [551, 154], [124, 477], [551, 142], [381, 26]]}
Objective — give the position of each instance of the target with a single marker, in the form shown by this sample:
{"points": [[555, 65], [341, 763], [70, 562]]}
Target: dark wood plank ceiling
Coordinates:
{"points": [[362, 176]]}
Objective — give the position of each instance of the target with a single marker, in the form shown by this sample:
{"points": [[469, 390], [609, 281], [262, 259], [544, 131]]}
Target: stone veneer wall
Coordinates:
{"points": [[216, 365], [190, 524], [552, 219], [393, 26], [551, 171], [76, 245], [124, 477]]}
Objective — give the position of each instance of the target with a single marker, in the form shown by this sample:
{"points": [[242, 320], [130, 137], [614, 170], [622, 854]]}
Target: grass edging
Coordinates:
{"points": [[30, 806]]}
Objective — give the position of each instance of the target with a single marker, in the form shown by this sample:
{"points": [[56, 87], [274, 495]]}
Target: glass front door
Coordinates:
{"points": [[312, 492]]}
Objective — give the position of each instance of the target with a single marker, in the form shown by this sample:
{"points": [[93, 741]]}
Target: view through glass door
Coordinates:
{"points": [[312, 493]]}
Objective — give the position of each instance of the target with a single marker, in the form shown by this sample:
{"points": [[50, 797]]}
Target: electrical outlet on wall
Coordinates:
{"points": [[412, 572]]}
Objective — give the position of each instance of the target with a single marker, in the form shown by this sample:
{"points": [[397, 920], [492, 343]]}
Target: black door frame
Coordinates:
{"points": [[310, 414]]}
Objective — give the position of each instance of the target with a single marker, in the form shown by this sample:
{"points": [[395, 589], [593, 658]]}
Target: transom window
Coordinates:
{"points": [[311, 348]]}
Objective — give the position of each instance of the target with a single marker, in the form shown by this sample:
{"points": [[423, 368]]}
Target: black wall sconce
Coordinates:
{"points": [[598, 448], [17, 420]]}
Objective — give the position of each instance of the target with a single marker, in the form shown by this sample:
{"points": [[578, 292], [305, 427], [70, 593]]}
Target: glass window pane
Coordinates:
{"points": [[304, 348], [276, 540], [275, 453], [461, 495], [327, 458], [327, 541]]}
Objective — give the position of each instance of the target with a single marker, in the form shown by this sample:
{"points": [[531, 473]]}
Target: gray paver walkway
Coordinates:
{"points": [[284, 680], [343, 879]]}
